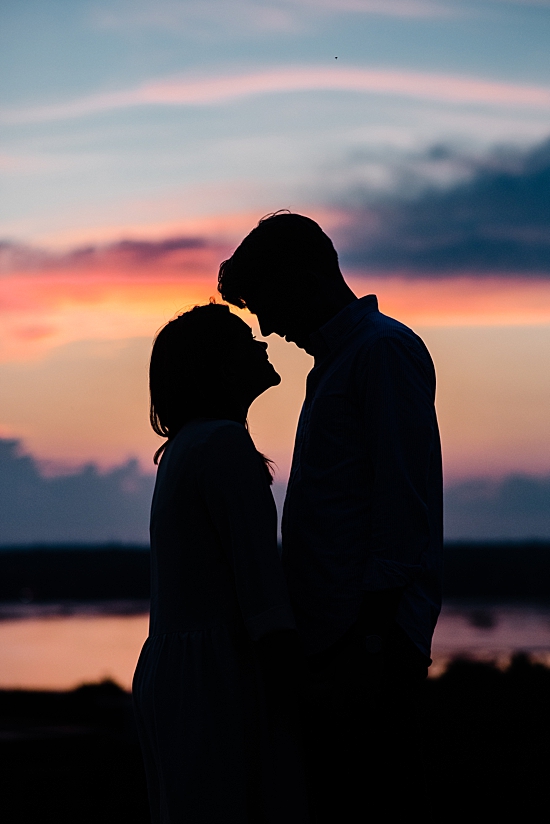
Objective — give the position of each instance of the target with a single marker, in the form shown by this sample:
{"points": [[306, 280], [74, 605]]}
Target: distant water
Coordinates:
{"points": [[491, 632], [60, 652], [60, 646]]}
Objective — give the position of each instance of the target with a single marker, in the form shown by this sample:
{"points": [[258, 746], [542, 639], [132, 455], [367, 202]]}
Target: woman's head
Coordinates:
{"points": [[205, 364]]}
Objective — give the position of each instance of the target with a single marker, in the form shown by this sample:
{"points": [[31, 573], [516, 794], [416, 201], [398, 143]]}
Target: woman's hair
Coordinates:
{"points": [[188, 372], [283, 250]]}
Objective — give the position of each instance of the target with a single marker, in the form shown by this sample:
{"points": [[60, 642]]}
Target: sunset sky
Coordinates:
{"points": [[142, 140]]}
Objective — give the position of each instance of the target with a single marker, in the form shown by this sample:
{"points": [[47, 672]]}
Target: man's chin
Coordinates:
{"points": [[302, 342]]}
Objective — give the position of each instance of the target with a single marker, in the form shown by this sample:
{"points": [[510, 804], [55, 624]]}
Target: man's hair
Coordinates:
{"points": [[281, 251]]}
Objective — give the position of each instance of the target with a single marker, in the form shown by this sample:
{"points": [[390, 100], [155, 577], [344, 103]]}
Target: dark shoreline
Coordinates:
{"points": [[504, 571], [18, 611], [74, 756]]}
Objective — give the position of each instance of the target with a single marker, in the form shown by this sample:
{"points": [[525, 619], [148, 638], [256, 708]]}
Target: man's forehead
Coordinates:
{"points": [[263, 302]]}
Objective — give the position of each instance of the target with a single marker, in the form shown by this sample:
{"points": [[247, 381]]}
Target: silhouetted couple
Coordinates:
{"points": [[286, 692]]}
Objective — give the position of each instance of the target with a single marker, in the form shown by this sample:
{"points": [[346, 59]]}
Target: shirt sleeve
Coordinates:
{"points": [[242, 509], [401, 441]]}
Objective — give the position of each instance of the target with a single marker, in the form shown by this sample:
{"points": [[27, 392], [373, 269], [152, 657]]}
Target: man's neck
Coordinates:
{"points": [[332, 303]]}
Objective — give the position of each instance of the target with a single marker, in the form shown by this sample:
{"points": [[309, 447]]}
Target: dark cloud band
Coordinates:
{"points": [[496, 222]]}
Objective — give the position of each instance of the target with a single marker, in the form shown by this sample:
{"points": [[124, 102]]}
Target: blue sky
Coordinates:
{"points": [[72, 178]]}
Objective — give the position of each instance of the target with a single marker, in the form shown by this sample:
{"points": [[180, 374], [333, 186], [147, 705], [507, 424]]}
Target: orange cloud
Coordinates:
{"points": [[56, 309], [466, 300], [201, 91], [122, 291], [67, 320], [130, 288]]}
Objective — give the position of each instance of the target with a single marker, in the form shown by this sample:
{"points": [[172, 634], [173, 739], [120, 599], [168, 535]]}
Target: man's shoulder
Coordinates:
{"points": [[377, 327], [384, 340]]}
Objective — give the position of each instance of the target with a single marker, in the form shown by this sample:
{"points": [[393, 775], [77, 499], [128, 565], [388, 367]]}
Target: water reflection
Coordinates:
{"points": [[491, 632], [59, 646], [59, 652]]}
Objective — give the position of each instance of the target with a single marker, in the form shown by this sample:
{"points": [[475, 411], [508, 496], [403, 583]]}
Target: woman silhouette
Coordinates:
{"points": [[215, 733]]}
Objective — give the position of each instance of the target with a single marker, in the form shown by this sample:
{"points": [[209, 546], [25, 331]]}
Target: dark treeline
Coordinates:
{"points": [[512, 571], [82, 573], [486, 737]]}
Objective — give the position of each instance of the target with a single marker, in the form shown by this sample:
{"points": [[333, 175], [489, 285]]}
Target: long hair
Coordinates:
{"points": [[188, 372]]}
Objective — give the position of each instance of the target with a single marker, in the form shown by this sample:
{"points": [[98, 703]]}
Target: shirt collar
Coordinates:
{"points": [[329, 336]]}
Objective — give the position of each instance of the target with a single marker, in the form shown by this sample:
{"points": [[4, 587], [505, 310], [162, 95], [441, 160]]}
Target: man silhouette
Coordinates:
{"points": [[362, 520]]}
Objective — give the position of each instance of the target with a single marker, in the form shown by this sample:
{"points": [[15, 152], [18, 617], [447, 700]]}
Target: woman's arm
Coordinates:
{"points": [[242, 509]]}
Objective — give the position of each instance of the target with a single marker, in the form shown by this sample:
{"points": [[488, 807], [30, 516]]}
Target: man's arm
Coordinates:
{"points": [[397, 389], [379, 611]]}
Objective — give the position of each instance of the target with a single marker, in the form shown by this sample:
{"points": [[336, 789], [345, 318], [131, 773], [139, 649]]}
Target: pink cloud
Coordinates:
{"points": [[126, 289], [130, 287], [200, 91], [468, 299], [178, 254]]}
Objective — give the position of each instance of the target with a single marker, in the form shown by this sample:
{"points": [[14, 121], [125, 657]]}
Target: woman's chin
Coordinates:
{"points": [[270, 377], [276, 378]]}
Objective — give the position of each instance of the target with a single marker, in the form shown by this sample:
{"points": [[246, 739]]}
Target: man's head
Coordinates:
{"points": [[285, 272]]}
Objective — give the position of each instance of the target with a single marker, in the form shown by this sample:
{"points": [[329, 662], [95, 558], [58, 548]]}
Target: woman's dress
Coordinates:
{"points": [[213, 752]]}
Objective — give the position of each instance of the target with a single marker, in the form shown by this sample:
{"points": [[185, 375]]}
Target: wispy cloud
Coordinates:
{"points": [[17, 164], [215, 90], [385, 8], [177, 253], [252, 16], [542, 3]]}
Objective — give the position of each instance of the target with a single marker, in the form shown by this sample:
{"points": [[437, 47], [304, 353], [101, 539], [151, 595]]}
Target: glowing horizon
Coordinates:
{"points": [[76, 334], [40, 311]]}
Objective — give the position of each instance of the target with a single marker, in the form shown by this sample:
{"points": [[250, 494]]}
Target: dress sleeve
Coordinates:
{"points": [[402, 442], [242, 509]]}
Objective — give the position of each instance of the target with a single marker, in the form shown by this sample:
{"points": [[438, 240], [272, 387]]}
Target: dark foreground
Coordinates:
{"points": [[73, 758]]}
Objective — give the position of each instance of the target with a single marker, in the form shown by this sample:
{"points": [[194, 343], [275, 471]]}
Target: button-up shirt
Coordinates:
{"points": [[363, 510]]}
